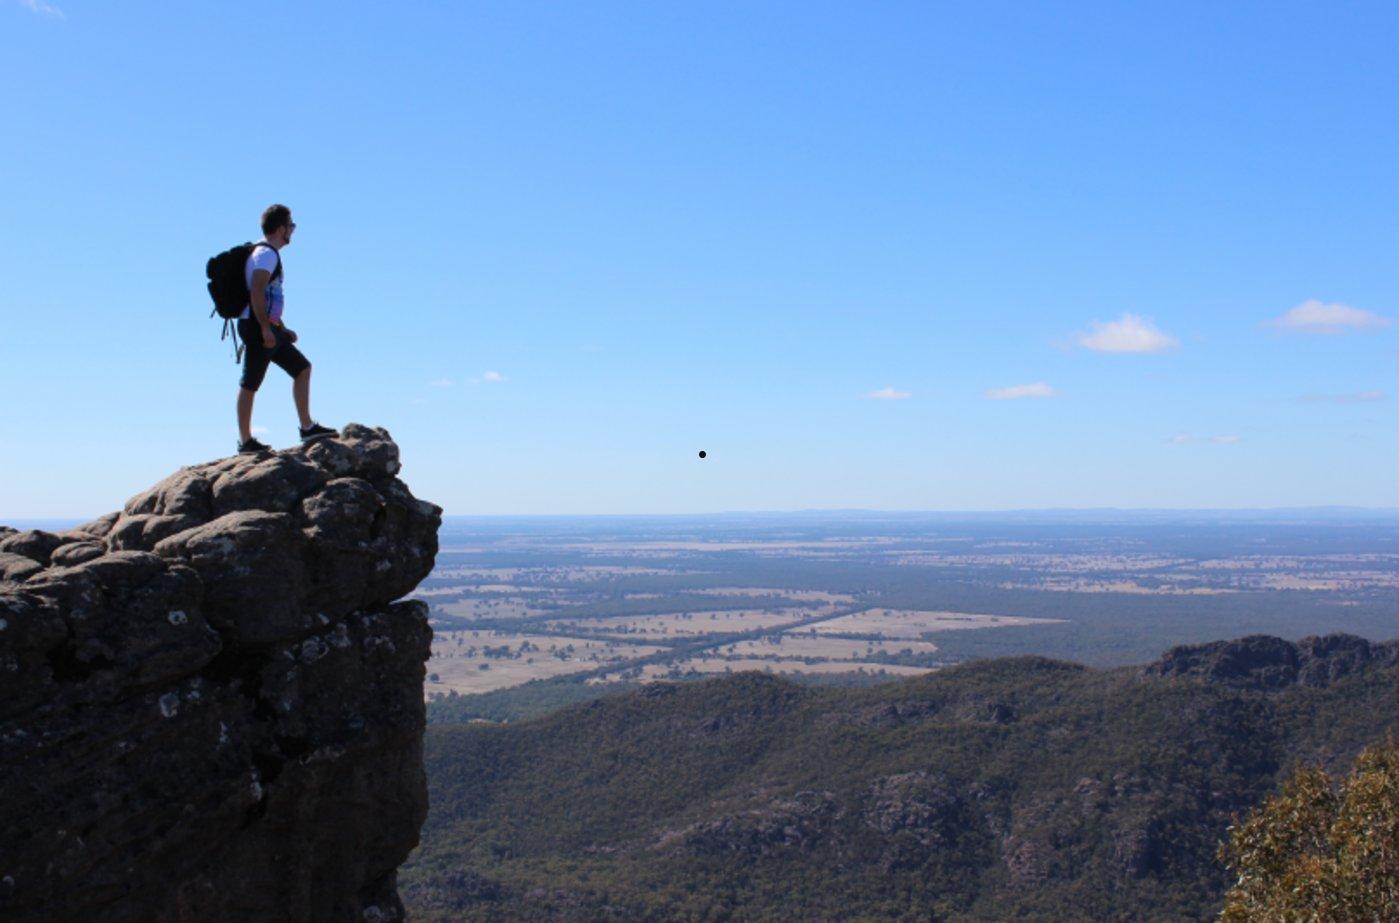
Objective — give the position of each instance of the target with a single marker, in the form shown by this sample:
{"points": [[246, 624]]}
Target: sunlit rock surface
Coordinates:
{"points": [[211, 703]]}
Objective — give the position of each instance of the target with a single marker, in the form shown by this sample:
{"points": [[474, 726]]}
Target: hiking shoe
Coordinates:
{"points": [[252, 447], [316, 431]]}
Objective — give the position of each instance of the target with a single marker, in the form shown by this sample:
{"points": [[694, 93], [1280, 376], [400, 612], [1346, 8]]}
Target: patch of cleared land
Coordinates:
{"points": [[1340, 580], [1295, 562], [679, 624], [803, 643], [656, 671], [479, 661], [908, 623]]}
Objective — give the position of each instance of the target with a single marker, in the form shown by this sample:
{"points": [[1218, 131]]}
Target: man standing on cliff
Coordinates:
{"points": [[266, 338]]}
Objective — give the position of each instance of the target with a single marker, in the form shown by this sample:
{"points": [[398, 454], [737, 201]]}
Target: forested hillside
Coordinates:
{"points": [[1021, 788]]}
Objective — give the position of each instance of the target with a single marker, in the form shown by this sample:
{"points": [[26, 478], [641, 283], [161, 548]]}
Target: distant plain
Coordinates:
{"points": [[567, 604]]}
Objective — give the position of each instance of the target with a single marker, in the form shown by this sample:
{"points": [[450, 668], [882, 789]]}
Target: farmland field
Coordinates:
{"points": [[838, 597], [479, 661]]}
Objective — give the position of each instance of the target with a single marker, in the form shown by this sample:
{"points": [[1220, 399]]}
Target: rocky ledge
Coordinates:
{"points": [[1267, 662], [211, 703]]}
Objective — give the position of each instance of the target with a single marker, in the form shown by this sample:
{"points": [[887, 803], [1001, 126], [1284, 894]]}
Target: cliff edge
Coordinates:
{"points": [[211, 704]]}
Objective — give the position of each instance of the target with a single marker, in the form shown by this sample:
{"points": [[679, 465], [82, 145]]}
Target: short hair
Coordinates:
{"points": [[274, 217]]}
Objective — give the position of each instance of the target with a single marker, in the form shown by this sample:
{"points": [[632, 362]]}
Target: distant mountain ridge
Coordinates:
{"points": [[1266, 662], [1013, 788]]}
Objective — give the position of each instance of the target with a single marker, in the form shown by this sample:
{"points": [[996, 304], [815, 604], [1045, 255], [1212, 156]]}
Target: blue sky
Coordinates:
{"points": [[557, 249]]}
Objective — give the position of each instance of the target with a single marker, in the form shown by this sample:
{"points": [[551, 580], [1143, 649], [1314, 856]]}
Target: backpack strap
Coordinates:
{"points": [[230, 328]]}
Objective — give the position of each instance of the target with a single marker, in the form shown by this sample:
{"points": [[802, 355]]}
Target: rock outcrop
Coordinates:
{"points": [[211, 702], [1267, 662]]}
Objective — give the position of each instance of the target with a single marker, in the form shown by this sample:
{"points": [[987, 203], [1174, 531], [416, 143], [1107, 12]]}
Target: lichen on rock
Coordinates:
{"points": [[211, 701]]}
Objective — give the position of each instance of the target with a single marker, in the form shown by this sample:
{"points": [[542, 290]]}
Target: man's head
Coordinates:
{"points": [[277, 225]]}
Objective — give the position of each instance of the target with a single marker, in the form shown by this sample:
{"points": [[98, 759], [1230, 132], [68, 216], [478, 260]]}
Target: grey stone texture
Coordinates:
{"points": [[211, 702]]}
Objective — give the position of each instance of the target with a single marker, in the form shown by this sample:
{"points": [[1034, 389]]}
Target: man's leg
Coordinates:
{"points": [[301, 394], [299, 368], [245, 414], [255, 357]]}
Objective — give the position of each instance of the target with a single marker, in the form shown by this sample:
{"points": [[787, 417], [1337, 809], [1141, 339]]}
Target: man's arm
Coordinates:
{"points": [[257, 298]]}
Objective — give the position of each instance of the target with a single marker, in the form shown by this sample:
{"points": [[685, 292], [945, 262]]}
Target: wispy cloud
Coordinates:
{"points": [[489, 378], [1188, 439], [1328, 318], [1130, 333], [42, 8], [443, 383], [1015, 392], [888, 394], [1354, 397]]}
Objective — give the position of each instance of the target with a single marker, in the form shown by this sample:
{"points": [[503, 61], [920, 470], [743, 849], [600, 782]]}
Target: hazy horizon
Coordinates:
{"points": [[1043, 514]]}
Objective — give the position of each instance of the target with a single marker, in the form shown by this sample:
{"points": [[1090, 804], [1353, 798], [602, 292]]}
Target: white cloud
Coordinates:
{"points": [[1038, 389], [1354, 397], [1313, 316], [489, 378], [1127, 334], [1188, 439], [888, 394], [442, 383], [42, 8]]}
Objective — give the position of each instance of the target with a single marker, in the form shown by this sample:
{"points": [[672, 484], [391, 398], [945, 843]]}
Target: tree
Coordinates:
{"points": [[1313, 853]]}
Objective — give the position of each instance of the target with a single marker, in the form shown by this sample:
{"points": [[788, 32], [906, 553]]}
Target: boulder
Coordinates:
{"points": [[211, 702], [35, 544]]}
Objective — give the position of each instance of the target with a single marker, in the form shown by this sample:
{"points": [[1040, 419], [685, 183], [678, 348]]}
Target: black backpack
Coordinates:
{"points": [[228, 286]]}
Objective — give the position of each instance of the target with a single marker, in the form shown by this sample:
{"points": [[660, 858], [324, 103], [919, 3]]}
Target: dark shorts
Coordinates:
{"points": [[256, 357]]}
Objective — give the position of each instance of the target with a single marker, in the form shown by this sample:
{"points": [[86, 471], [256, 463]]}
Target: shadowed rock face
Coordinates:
{"points": [[211, 703], [1266, 662]]}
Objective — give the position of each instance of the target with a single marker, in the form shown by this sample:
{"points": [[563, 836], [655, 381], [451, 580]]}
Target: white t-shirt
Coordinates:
{"points": [[265, 258]]}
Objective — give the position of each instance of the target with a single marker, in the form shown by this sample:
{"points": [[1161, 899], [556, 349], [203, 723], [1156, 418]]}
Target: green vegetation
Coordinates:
{"points": [[543, 696], [672, 603], [1312, 852], [518, 703], [1017, 788]]}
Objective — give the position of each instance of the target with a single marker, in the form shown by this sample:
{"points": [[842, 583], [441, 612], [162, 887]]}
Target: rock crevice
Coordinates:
{"points": [[211, 701]]}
